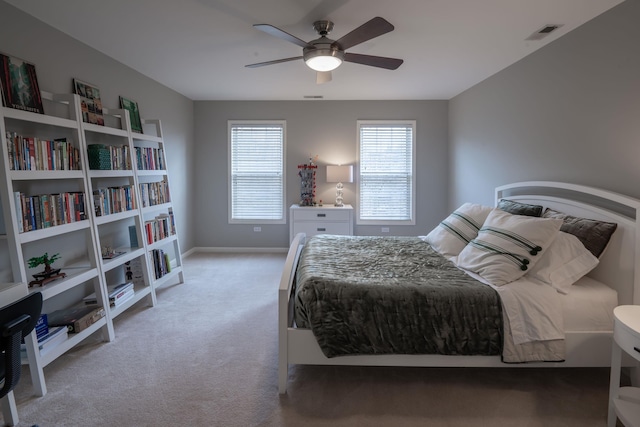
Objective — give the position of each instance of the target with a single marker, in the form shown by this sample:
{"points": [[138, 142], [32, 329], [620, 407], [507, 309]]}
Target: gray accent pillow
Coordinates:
{"points": [[517, 208], [593, 234]]}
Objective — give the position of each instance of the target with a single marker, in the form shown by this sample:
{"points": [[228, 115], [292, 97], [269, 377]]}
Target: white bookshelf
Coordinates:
{"points": [[75, 241], [80, 243]]}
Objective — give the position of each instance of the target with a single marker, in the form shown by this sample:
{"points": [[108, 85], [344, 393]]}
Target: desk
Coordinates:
{"points": [[624, 402]]}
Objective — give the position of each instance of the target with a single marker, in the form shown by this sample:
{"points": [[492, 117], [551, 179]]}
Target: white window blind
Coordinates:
{"points": [[386, 181], [257, 172]]}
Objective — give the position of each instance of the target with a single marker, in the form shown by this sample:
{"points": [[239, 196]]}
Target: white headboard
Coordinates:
{"points": [[621, 259]]}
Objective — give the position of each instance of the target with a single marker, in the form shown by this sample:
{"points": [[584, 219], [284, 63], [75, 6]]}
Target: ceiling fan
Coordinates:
{"points": [[324, 54]]}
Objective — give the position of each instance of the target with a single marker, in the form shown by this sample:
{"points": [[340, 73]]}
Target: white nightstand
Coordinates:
{"points": [[624, 402], [314, 220]]}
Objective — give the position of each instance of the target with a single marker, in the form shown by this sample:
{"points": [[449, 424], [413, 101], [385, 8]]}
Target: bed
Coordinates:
{"points": [[586, 311]]}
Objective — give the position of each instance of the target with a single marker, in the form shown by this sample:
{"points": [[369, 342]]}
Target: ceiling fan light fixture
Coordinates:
{"points": [[323, 59]]}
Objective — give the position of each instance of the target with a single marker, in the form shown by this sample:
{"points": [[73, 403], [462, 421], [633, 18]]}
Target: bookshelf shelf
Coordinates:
{"points": [[128, 255], [71, 341], [176, 272], [45, 175], [35, 235], [39, 119], [73, 279], [110, 173], [151, 172], [159, 243], [138, 296], [105, 219]]}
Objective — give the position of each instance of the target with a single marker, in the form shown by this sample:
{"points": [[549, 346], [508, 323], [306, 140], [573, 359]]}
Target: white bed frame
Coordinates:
{"points": [[617, 268]]}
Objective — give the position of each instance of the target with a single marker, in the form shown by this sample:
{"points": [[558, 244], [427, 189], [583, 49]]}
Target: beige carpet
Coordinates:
{"points": [[206, 355]]}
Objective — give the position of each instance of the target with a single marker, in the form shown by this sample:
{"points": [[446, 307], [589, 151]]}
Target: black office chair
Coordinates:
{"points": [[17, 320]]}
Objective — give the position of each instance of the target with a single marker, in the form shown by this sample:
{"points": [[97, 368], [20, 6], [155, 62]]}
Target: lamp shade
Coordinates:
{"points": [[342, 173]]}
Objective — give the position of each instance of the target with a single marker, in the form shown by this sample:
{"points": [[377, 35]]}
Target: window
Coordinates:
{"points": [[256, 165], [386, 188]]}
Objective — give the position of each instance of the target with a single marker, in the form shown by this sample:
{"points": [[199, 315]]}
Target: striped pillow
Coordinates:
{"points": [[507, 246], [458, 229]]}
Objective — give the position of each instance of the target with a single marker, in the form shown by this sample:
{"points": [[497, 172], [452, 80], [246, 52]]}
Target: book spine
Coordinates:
{"points": [[18, 206]]}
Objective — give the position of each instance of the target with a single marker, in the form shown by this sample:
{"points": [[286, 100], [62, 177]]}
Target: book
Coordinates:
{"points": [[90, 102], [115, 293], [134, 113], [18, 205], [42, 326], [77, 318], [19, 85], [133, 236]]}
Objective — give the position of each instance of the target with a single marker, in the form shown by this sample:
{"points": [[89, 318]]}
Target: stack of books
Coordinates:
{"points": [[118, 294], [46, 342]]}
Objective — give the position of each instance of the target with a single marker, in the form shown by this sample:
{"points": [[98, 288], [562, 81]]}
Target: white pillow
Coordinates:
{"points": [[566, 261], [458, 229], [507, 246]]}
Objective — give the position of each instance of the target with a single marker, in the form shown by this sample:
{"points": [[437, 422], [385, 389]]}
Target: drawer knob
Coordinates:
{"points": [[321, 215], [324, 229]]}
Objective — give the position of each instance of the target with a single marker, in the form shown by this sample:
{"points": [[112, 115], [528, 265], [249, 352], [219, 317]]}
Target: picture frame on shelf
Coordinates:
{"points": [[19, 85], [134, 113], [91, 103]]}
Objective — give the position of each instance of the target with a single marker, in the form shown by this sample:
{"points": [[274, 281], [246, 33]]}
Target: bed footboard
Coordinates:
{"points": [[285, 308]]}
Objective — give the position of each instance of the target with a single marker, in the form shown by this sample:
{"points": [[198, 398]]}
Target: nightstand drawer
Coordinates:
{"points": [[627, 339], [319, 215], [321, 228]]}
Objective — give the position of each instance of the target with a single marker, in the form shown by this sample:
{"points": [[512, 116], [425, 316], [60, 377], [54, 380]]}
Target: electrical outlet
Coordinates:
{"points": [[385, 229], [257, 229]]}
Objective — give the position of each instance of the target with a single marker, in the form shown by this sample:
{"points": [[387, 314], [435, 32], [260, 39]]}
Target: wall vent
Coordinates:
{"points": [[543, 32]]}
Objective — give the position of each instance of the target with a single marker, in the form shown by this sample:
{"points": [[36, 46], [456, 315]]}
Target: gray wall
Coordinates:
{"points": [[324, 128], [59, 59], [568, 112]]}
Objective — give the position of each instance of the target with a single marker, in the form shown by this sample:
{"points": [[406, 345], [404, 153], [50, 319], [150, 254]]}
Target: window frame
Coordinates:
{"points": [[387, 221], [235, 123]]}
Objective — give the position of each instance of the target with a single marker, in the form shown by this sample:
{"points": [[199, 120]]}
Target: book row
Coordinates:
{"points": [[148, 158], [155, 193], [107, 201], [40, 154], [161, 227], [161, 263], [48, 210], [109, 157]]}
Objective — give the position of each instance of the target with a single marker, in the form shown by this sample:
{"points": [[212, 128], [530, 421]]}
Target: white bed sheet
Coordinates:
{"points": [[589, 306]]}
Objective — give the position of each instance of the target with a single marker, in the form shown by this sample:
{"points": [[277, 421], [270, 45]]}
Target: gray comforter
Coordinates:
{"points": [[392, 295]]}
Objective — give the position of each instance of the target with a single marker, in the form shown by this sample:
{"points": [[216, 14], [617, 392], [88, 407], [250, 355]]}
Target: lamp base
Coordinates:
{"points": [[339, 199]]}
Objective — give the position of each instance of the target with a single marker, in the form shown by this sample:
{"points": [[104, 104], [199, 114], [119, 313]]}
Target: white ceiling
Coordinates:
{"points": [[199, 47]]}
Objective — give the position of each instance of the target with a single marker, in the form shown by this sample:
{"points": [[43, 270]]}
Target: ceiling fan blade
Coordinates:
{"points": [[275, 61], [370, 29], [277, 32], [374, 61], [323, 77]]}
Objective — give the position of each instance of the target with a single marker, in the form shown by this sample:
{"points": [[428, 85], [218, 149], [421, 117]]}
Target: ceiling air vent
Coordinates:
{"points": [[543, 32]]}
